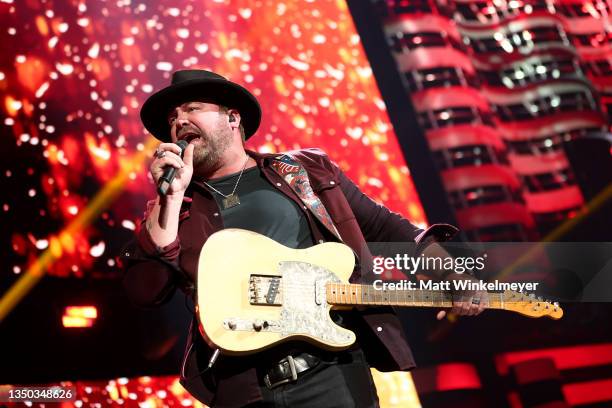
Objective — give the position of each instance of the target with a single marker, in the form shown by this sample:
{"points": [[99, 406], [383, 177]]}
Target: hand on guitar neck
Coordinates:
{"points": [[466, 302]]}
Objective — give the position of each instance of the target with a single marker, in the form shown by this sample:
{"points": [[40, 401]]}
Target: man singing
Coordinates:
{"points": [[219, 184]]}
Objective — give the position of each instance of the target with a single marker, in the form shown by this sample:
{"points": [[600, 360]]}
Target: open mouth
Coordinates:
{"points": [[189, 136]]}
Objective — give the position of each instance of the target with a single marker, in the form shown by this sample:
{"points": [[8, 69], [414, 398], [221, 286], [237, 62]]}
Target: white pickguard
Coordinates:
{"points": [[304, 308]]}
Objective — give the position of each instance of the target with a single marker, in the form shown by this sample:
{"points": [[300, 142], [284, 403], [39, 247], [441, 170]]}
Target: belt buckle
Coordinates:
{"points": [[294, 375]]}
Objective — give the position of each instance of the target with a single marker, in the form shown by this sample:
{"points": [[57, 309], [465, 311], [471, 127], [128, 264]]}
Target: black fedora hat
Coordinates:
{"points": [[197, 84]]}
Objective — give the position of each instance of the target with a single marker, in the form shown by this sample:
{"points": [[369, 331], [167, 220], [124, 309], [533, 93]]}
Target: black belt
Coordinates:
{"points": [[288, 368]]}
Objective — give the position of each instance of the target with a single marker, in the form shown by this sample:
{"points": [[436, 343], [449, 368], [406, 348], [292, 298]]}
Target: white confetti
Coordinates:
{"points": [[245, 13], [182, 33], [42, 244], [98, 249], [164, 66], [42, 89], [299, 65], [127, 224], [64, 69], [319, 39], [94, 51], [201, 48]]}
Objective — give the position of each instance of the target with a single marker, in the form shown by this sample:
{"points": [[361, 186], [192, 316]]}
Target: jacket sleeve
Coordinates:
{"points": [[151, 272], [379, 224]]}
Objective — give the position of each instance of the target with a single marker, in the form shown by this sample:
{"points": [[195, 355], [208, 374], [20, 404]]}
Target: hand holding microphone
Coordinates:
{"points": [[171, 171]]}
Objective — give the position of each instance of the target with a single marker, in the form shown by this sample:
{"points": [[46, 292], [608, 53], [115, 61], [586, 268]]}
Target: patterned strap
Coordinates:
{"points": [[296, 177]]}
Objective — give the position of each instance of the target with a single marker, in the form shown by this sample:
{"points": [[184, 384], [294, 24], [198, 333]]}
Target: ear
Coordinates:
{"points": [[234, 118]]}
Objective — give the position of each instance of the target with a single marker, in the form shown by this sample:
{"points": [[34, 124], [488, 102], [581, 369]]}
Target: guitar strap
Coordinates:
{"points": [[296, 177]]}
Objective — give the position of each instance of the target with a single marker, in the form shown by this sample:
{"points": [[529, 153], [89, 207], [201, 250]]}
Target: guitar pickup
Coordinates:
{"points": [[273, 291]]}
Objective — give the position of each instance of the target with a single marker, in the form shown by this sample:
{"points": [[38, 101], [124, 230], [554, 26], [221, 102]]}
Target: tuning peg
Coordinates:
{"points": [[556, 304]]}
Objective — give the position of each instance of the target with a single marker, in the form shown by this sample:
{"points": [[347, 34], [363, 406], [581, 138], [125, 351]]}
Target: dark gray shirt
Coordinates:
{"points": [[262, 209]]}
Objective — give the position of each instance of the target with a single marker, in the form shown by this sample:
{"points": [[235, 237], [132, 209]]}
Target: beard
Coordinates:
{"points": [[209, 149]]}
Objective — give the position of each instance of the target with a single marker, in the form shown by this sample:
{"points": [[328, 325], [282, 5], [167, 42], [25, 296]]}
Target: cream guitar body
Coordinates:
{"points": [[233, 303], [253, 293]]}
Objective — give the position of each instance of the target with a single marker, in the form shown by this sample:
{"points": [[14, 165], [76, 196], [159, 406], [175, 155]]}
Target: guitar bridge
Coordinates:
{"points": [[265, 290]]}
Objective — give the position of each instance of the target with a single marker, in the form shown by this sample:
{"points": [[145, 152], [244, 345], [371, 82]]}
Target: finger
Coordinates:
{"points": [[441, 314], [166, 161], [473, 311], [484, 302], [472, 306], [465, 308], [170, 147], [457, 308], [481, 309], [188, 155], [173, 158]]}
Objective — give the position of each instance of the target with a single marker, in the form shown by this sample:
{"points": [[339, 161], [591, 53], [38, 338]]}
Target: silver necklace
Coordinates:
{"points": [[230, 200]]}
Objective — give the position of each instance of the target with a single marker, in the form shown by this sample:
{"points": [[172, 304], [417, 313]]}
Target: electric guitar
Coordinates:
{"points": [[253, 292]]}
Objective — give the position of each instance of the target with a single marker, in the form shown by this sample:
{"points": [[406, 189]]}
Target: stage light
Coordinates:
{"points": [[79, 316]]}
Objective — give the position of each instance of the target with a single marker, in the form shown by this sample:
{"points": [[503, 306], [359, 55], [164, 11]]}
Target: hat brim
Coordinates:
{"points": [[155, 110]]}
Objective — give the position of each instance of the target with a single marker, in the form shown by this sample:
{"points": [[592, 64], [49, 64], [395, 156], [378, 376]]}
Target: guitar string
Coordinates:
{"points": [[496, 299], [524, 297], [521, 297], [417, 291], [421, 296]]}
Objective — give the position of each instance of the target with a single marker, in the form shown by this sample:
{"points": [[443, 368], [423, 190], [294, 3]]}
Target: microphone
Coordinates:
{"points": [[170, 172]]}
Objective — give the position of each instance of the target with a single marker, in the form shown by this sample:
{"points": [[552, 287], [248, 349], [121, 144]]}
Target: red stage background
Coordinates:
{"points": [[73, 75]]}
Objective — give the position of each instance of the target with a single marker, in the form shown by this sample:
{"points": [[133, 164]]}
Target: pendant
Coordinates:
{"points": [[230, 201]]}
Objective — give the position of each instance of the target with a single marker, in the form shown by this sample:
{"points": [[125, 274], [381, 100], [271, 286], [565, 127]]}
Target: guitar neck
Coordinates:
{"points": [[357, 295]]}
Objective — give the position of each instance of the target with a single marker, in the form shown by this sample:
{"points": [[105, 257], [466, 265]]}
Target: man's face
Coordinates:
{"points": [[206, 127]]}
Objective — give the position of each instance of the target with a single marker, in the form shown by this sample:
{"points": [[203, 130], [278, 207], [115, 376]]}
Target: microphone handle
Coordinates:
{"points": [[164, 182]]}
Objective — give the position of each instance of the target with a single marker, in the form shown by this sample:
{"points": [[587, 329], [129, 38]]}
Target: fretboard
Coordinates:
{"points": [[355, 294]]}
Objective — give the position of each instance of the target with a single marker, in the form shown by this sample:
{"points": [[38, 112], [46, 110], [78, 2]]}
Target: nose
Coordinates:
{"points": [[181, 119], [180, 122]]}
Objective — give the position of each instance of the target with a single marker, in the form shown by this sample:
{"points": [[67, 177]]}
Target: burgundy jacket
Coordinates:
{"points": [[153, 273]]}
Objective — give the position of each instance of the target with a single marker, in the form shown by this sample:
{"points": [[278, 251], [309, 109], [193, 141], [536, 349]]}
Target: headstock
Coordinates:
{"points": [[530, 305]]}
